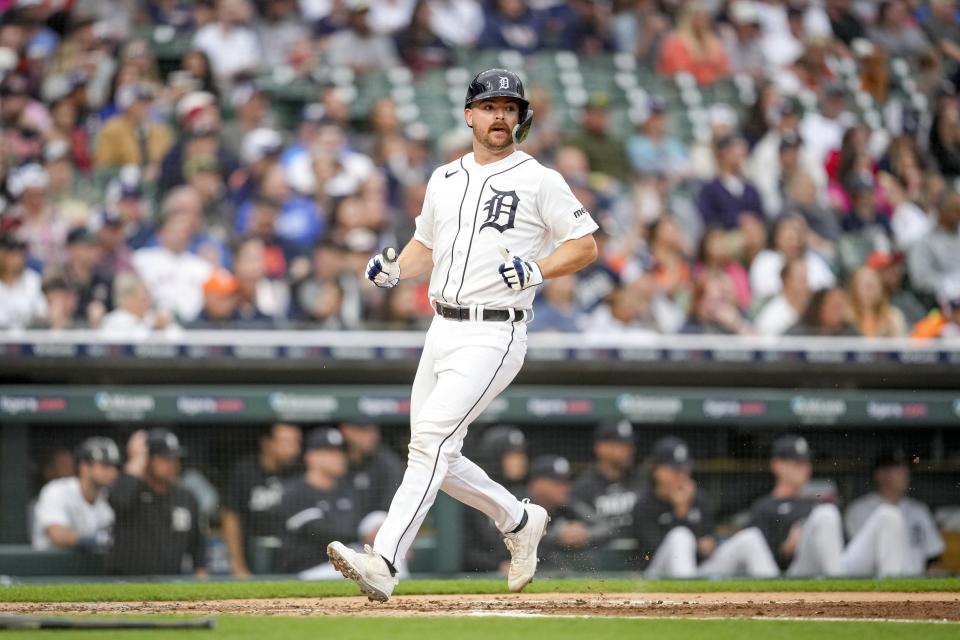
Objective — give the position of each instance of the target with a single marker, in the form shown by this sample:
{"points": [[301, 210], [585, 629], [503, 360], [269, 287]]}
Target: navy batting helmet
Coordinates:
{"points": [[502, 83], [99, 449]]}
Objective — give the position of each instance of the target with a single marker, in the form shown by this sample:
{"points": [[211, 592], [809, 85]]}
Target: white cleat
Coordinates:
{"points": [[368, 569], [523, 547]]}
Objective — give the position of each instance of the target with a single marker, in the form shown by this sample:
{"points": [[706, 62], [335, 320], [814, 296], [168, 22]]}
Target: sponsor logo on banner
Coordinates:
{"points": [[16, 405], [897, 410], [384, 406], [199, 405], [649, 408], [124, 406], [303, 405], [541, 407], [733, 408], [814, 409], [56, 350]]}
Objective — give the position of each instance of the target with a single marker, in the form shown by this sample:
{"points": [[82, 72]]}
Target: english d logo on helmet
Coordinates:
{"points": [[502, 83]]}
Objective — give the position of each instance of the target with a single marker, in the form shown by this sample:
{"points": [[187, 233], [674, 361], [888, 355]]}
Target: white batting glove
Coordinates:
{"points": [[517, 273], [383, 269]]}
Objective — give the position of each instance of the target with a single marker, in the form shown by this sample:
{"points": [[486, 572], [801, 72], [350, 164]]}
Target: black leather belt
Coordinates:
{"points": [[462, 314]]}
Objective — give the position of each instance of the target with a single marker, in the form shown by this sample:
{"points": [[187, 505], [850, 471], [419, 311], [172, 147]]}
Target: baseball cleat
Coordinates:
{"points": [[523, 547], [368, 569]]}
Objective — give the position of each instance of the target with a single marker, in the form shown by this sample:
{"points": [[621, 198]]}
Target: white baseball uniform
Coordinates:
{"points": [[61, 502], [469, 211], [922, 541]]}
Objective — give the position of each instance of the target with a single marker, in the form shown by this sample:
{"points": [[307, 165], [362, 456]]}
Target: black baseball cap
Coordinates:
{"points": [[81, 235], [791, 447], [550, 467], [324, 438], [671, 451], [502, 438], [163, 442], [98, 449], [619, 431], [11, 242], [790, 140], [891, 457]]}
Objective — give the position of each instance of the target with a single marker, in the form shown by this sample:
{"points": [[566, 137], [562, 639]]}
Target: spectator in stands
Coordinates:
{"points": [[93, 290], [945, 137], [556, 309], [358, 47], [822, 130], [504, 450], [803, 200], [713, 308], [73, 512], [61, 302], [260, 295], [158, 529], [844, 23], [783, 311], [39, 223], [133, 316], [890, 268], [943, 29], [251, 106], [873, 314], [372, 468], [21, 296], [715, 257], [282, 32], [694, 46], [221, 303], [172, 274], [742, 39], [605, 152], [789, 240], [891, 482], [638, 27], [196, 65], [609, 488], [457, 22], [653, 149], [671, 259], [260, 153], [729, 197], [133, 137], [420, 46], [674, 525], [254, 490], [230, 44], [125, 197], [895, 31], [321, 505], [511, 24], [934, 261], [828, 314], [199, 118], [548, 485]]}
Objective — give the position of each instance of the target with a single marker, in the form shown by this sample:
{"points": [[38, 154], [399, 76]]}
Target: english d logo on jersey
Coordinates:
{"points": [[501, 210]]}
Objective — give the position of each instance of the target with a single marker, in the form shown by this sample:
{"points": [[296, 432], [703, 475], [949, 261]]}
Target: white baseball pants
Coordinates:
{"points": [[880, 547], [464, 366], [745, 553], [821, 544]]}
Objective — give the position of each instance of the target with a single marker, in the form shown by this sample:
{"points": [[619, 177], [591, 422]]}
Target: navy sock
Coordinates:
{"points": [[523, 522]]}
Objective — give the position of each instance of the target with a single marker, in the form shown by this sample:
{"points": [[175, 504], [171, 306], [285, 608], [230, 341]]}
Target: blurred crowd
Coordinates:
{"points": [[138, 198], [282, 504]]}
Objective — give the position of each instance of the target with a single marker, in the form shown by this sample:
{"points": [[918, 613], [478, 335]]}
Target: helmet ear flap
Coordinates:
{"points": [[522, 130]]}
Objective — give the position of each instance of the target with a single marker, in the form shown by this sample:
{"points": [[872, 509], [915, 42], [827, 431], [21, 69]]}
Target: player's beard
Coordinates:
{"points": [[486, 139]]}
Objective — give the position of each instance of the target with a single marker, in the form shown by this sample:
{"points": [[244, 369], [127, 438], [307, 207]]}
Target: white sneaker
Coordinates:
{"points": [[523, 547], [368, 569]]}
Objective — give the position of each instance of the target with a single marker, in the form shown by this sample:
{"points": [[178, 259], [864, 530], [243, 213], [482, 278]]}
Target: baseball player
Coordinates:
{"points": [[485, 233], [73, 512]]}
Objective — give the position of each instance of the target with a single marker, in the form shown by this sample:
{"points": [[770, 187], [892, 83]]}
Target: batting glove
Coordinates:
{"points": [[383, 269], [517, 273]]}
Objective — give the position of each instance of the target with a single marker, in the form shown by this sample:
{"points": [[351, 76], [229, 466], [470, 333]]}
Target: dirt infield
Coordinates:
{"points": [[896, 606]]}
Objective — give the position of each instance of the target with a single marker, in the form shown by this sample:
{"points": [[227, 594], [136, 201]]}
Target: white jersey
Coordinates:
{"points": [[61, 502], [470, 209], [923, 539]]}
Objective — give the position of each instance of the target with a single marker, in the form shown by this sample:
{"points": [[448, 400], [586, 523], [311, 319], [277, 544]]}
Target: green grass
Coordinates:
{"points": [[127, 592], [268, 628]]}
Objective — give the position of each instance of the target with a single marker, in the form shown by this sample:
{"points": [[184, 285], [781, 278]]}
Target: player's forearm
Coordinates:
{"points": [[415, 260], [570, 257], [62, 536]]}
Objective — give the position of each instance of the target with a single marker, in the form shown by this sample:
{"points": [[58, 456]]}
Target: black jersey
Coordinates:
{"points": [[776, 516], [376, 479], [311, 519], [254, 495], [653, 518], [609, 504], [155, 534]]}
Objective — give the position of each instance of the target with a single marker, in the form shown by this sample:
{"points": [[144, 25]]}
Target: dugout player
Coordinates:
{"points": [[73, 512], [158, 529], [549, 485], [494, 225], [504, 449], [318, 506], [891, 481], [252, 498], [674, 525], [609, 487], [806, 535], [373, 470]]}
